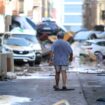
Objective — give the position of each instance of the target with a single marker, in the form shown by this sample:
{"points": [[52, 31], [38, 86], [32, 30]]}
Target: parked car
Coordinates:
{"points": [[84, 35], [94, 47], [21, 48], [46, 28], [48, 25], [87, 35], [26, 34]]}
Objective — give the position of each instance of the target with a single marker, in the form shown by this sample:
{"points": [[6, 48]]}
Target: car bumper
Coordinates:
{"points": [[24, 58]]}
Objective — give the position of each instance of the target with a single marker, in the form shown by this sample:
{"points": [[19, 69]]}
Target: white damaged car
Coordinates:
{"points": [[22, 50], [31, 37]]}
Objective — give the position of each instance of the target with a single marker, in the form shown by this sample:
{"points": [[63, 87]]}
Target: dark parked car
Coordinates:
{"points": [[46, 28]]}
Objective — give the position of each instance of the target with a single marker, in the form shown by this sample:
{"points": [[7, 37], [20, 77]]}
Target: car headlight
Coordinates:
{"points": [[7, 49]]}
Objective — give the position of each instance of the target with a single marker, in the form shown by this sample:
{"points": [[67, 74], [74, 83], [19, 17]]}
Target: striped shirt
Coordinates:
{"points": [[61, 50]]}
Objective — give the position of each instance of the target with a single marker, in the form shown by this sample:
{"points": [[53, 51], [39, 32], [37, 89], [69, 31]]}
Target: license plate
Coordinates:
{"points": [[25, 60], [47, 28]]}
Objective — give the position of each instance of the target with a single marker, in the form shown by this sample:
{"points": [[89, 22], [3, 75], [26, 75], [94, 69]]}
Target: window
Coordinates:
{"points": [[17, 42], [103, 15], [72, 8], [73, 0], [72, 28], [72, 19], [21, 3], [101, 43], [29, 37]]}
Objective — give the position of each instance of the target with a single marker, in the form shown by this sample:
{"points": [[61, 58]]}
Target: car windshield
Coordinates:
{"points": [[31, 38], [17, 42], [51, 24]]}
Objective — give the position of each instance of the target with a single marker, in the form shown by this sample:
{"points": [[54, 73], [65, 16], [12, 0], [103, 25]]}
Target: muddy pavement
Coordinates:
{"points": [[39, 91], [34, 85]]}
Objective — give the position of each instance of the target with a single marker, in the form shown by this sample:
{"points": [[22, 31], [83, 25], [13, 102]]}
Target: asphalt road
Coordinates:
{"points": [[36, 84], [41, 92]]}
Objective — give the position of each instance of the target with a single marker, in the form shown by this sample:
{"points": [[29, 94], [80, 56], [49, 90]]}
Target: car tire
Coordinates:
{"points": [[31, 63], [37, 62]]}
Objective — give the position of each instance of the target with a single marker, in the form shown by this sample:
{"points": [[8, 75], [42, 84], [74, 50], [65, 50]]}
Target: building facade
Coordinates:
{"points": [[93, 13], [72, 18], [100, 13]]}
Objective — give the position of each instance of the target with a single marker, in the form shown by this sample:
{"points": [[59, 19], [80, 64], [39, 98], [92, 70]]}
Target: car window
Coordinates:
{"points": [[101, 43], [17, 42], [45, 24], [31, 38], [31, 23], [52, 24], [83, 35]]}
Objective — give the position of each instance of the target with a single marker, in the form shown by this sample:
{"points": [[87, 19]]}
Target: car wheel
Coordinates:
{"points": [[99, 57], [37, 62], [31, 63]]}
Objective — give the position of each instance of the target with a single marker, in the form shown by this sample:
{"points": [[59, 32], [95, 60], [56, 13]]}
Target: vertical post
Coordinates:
{"points": [[3, 64], [10, 62]]}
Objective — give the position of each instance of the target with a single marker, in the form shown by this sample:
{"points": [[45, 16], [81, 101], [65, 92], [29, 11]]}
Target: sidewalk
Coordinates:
{"points": [[93, 86], [34, 86]]}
